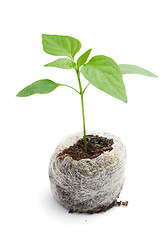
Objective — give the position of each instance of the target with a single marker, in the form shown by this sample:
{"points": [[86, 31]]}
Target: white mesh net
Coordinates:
{"points": [[87, 185]]}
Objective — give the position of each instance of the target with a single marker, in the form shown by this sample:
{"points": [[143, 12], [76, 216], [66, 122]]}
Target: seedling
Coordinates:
{"points": [[100, 71]]}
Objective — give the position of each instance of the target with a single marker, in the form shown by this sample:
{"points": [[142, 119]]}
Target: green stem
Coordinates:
{"points": [[82, 105], [70, 87]]}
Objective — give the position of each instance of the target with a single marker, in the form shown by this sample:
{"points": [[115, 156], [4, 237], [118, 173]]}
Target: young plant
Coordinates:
{"points": [[100, 71]]}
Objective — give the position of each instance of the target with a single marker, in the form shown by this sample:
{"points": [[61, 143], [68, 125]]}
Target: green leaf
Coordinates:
{"points": [[64, 63], [83, 58], [105, 74], [41, 86], [132, 69], [58, 45]]}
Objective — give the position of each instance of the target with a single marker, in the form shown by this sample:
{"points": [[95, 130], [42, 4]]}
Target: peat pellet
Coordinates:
{"points": [[89, 183]]}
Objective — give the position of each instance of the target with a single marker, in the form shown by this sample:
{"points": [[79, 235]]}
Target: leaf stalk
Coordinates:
{"points": [[70, 87], [86, 87]]}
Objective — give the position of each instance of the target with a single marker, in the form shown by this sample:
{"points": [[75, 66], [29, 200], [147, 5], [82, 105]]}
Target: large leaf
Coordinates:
{"points": [[83, 58], [41, 86], [64, 63], [105, 74], [132, 69], [58, 45]]}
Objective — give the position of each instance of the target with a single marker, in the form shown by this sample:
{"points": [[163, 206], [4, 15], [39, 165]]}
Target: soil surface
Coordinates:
{"points": [[96, 145]]}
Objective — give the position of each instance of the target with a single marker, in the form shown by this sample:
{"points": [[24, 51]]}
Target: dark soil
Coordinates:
{"points": [[104, 208], [96, 145]]}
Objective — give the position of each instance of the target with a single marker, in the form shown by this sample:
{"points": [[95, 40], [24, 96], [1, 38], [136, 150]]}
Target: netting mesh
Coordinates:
{"points": [[87, 185]]}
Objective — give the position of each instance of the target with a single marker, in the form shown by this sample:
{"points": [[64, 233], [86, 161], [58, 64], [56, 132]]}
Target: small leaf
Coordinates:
{"points": [[83, 58], [41, 86], [58, 45], [132, 69], [105, 74], [64, 63]]}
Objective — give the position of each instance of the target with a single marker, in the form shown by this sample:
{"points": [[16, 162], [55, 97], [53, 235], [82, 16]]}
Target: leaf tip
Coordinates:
{"points": [[124, 99], [18, 94], [42, 36], [152, 75], [155, 76]]}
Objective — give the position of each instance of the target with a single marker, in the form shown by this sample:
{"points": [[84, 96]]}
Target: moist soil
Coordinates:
{"points": [[96, 145]]}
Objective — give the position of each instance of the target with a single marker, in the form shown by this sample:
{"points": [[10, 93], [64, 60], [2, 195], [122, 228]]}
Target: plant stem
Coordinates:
{"points": [[82, 105]]}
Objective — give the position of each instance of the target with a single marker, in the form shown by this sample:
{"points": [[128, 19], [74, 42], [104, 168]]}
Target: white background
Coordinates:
{"points": [[30, 128]]}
